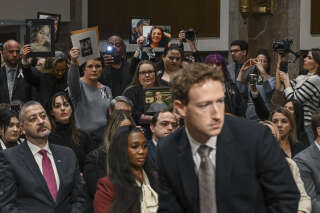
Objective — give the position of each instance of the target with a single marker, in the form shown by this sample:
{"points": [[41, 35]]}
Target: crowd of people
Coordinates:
{"points": [[78, 137]]}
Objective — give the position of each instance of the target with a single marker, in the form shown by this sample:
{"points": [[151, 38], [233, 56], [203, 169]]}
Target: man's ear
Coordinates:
{"points": [[152, 128], [318, 131], [180, 108]]}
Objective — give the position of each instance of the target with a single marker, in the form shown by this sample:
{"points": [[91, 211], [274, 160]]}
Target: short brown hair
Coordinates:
{"points": [[192, 74]]}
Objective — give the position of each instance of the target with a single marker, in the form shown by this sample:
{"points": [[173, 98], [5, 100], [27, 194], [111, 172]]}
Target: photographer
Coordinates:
{"points": [[259, 80], [305, 89], [117, 72], [189, 38]]}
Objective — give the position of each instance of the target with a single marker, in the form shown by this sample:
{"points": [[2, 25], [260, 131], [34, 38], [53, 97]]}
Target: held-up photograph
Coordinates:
{"points": [[40, 36]]}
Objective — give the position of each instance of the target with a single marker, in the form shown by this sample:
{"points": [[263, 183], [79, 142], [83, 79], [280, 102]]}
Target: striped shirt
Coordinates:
{"points": [[305, 89]]}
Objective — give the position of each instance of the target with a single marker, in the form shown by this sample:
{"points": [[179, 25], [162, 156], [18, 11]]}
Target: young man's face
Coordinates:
{"points": [[166, 124], [237, 54], [204, 113]]}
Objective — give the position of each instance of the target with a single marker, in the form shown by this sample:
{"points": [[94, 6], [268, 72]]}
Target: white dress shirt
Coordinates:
{"points": [[317, 144], [212, 142], [38, 157]]}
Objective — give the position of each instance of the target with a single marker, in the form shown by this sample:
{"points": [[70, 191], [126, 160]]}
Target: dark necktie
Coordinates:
{"points": [[207, 186], [48, 174]]}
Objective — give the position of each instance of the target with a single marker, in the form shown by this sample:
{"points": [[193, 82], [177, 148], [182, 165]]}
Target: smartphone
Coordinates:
{"points": [[253, 79]]}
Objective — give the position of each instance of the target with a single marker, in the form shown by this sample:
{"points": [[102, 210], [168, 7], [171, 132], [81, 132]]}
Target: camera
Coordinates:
{"points": [[111, 50], [253, 79], [189, 35], [282, 46]]}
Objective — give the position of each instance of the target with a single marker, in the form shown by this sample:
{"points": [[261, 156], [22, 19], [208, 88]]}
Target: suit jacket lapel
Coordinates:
{"points": [[187, 170], [6, 89], [31, 163], [315, 154], [58, 160], [224, 161]]}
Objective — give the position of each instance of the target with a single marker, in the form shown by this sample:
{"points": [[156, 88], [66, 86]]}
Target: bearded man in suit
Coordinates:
{"points": [[38, 176]]}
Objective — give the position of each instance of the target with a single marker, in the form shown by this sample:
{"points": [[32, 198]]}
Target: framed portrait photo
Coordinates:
{"points": [[56, 19], [136, 28], [40, 36], [157, 36], [157, 99], [87, 42]]}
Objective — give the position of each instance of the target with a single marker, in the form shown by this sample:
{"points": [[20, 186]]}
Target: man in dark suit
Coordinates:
{"points": [[308, 162], [218, 163], [13, 86], [163, 123], [37, 176]]}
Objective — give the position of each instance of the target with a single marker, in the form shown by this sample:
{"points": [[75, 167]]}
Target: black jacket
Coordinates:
{"points": [[46, 84], [251, 173], [62, 135], [117, 79], [22, 90], [95, 168]]}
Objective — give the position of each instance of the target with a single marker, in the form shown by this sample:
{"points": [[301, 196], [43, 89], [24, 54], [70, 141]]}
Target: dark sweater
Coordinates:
{"points": [[62, 135]]}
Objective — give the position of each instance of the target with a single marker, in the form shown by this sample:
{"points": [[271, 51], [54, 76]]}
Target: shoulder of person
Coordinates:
{"points": [[61, 148], [305, 154], [172, 140]]}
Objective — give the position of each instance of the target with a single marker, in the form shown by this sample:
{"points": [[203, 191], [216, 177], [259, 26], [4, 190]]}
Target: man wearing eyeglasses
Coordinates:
{"points": [[239, 53], [116, 72], [12, 83], [163, 123]]}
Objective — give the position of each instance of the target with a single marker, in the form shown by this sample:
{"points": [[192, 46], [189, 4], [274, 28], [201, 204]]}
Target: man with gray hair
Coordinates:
{"points": [[120, 103], [38, 176], [12, 83]]}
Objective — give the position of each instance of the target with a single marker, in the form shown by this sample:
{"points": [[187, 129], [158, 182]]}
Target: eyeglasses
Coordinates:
{"points": [[234, 51], [171, 58], [147, 72]]}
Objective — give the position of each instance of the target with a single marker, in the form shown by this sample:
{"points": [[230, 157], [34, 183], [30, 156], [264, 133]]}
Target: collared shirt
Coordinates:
{"points": [[212, 142], [11, 76], [154, 142], [38, 157], [317, 144]]}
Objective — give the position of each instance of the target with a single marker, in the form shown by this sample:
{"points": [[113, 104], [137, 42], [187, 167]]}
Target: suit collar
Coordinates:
{"points": [[30, 162], [32, 165], [315, 152]]}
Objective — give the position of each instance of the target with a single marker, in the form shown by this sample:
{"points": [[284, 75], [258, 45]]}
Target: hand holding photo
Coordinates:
{"points": [[40, 36], [136, 28], [87, 42], [157, 36]]}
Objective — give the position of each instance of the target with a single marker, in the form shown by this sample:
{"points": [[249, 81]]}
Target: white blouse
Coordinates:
{"points": [[149, 199]]}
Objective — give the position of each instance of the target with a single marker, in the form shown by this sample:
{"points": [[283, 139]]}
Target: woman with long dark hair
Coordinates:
{"points": [[286, 125], [144, 77], [305, 201], [305, 89], [96, 161], [64, 131], [255, 80], [9, 129], [129, 186]]}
